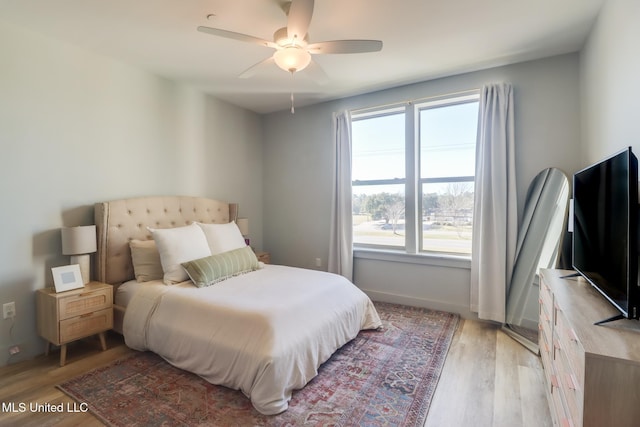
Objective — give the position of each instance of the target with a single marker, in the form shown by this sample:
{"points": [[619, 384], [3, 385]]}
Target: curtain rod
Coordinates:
{"points": [[415, 101]]}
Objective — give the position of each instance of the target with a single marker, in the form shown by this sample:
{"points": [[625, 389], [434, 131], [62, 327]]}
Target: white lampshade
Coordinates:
{"points": [[292, 58], [243, 225], [79, 240]]}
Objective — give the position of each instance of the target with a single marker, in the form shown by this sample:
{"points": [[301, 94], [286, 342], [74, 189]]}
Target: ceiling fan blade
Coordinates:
{"points": [[251, 71], [345, 46], [300, 13], [236, 36], [316, 73]]}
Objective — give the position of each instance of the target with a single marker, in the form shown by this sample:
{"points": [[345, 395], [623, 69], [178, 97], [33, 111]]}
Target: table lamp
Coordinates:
{"points": [[79, 242]]}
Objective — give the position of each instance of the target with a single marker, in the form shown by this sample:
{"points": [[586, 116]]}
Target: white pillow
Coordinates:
{"points": [[178, 245], [222, 237]]}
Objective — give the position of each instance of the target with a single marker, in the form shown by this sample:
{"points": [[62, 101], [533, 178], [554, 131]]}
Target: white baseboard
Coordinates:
{"points": [[463, 311]]}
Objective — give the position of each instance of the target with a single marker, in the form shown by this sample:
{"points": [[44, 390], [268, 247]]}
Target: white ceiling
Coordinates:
{"points": [[423, 39]]}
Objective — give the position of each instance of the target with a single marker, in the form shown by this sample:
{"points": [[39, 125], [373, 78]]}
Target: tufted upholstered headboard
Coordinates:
{"points": [[120, 221]]}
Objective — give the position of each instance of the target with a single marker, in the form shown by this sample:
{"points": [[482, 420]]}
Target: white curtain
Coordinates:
{"points": [[341, 238], [495, 205]]}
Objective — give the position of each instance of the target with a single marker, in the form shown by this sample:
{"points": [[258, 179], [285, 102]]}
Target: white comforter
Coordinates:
{"points": [[264, 333]]}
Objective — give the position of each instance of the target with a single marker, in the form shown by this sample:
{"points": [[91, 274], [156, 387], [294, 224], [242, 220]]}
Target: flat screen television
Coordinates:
{"points": [[605, 227]]}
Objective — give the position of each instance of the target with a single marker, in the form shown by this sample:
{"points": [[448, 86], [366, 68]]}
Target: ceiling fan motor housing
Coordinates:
{"points": [[281, 38]]}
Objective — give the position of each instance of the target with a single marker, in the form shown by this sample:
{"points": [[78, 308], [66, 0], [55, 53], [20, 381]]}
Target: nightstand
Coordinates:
{"points": [[263, 256], [69, 316]]}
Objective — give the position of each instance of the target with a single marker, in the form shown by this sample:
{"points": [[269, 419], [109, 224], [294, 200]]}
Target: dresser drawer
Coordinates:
{"points": [[561, 417], [546, 299], [571, 388], [85, 303], [545, 327], [571, 346], [544, 340], [86, 325], [545, 311], [545, 356]]}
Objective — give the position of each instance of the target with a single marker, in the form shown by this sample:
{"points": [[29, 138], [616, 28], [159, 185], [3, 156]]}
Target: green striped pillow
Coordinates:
{"points": [[216, 268]]}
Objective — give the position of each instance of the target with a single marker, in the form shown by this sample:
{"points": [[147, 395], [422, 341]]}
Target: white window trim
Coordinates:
{"points": [[423, 258], [411, 251]]}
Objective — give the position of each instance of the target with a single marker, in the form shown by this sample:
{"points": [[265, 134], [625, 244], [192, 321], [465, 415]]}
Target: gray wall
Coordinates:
{"points": [[77, 128], [298, 174], [610, 82]]}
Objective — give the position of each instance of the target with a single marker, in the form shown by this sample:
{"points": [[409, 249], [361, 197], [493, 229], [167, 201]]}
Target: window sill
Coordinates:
{"points": [[451, 261]]}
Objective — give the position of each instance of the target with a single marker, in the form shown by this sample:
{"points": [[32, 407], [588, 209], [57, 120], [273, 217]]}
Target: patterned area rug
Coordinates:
{"points": [[381, 378]]}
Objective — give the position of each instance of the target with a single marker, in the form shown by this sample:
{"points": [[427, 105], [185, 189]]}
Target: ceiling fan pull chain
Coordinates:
{"points": [[293, 110]]}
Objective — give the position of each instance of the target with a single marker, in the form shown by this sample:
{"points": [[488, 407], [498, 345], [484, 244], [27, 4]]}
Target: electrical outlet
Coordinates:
{"points": [[8, 310], [14, 350], [318, 262]]}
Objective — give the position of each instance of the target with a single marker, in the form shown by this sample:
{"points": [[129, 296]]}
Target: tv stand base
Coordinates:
{"points": [[610, 319], [569, 276]]}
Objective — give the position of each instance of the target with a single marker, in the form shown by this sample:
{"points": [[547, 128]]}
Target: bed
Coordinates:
{"points": [[264, 332]]}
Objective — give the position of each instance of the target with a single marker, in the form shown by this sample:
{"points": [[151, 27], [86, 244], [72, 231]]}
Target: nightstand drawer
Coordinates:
{"points": [[84, 303], [86, 325]]}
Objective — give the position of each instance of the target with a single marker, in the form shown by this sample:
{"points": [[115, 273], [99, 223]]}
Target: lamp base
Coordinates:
{"points": [[84, 261]]}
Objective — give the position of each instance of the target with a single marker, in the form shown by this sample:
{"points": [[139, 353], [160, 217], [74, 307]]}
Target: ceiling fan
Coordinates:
{"points": [[291, 43]]}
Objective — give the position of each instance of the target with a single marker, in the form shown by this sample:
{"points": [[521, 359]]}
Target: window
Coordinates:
{"points": [[413, 190], [378, 173]]}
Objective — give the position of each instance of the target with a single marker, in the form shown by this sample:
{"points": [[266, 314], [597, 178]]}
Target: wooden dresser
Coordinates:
{"points": [[68, 316], [592, 372]]}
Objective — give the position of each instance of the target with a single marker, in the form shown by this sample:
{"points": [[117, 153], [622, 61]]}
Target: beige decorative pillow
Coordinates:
{"points": [[216, 268], [178, 245], [146, 260], [223, 237]]}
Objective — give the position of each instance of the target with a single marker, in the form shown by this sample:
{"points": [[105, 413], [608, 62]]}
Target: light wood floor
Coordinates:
{"points": [[488, 380]]}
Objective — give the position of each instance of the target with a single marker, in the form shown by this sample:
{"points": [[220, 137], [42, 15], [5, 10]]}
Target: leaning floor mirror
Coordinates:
{"points": [[538, 246]]}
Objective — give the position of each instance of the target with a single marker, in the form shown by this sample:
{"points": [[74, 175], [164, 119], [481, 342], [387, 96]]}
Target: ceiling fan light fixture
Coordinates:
{"points": [[292, 58]]}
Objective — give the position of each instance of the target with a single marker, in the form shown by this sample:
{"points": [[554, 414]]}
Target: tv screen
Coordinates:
{"points": [[605, 205]]}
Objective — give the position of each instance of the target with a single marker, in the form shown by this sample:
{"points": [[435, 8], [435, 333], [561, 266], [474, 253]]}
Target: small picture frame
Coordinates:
{"points": [[67, 277]]}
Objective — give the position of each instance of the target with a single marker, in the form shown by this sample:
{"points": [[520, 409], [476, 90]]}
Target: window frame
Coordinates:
{"points": [[371, 114], [413, 181]]}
